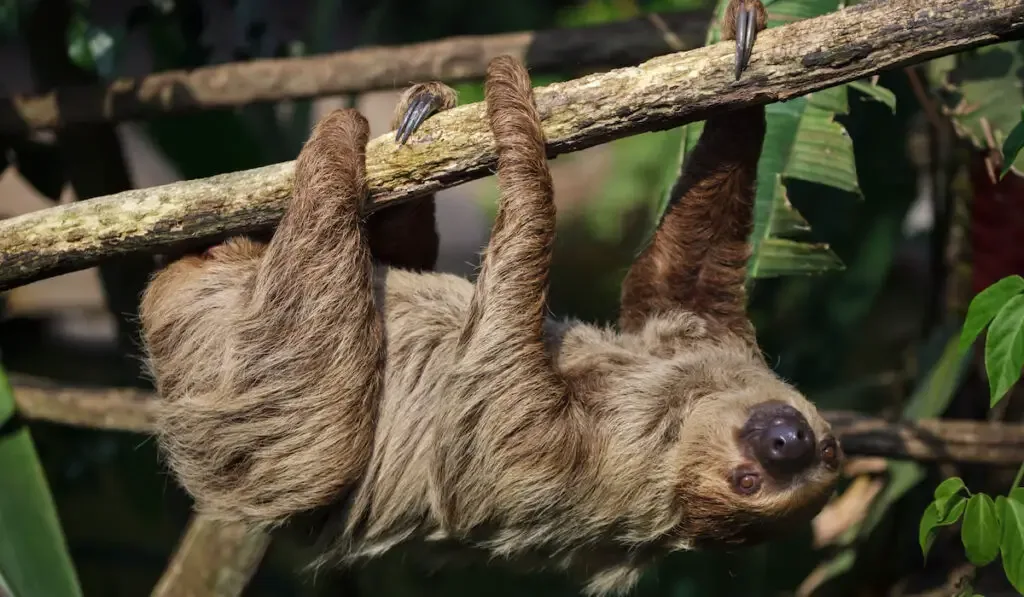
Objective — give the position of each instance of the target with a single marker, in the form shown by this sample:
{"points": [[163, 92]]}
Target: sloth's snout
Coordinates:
{"points": [[780, 439]]}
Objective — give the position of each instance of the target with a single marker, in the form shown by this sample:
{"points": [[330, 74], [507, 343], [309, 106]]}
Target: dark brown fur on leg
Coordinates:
{"points": [[697, 259], [406, 235], [257, 395]]}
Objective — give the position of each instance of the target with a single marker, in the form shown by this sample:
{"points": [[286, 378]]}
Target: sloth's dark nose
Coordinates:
{"points": [[781, 439]]}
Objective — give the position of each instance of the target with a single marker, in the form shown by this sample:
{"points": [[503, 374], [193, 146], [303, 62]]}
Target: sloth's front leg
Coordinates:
{"points": [[697, 259]]}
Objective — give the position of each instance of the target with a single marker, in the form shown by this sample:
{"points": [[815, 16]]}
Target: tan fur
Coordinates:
{"points": [[420, 407]]}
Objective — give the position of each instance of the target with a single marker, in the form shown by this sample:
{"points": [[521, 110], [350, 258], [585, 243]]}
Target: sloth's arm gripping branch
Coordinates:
{"points": [[696, 260], [502, 445]]}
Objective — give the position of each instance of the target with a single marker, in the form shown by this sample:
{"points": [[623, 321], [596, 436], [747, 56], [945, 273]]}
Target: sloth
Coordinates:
{"points": [[331, 369]]}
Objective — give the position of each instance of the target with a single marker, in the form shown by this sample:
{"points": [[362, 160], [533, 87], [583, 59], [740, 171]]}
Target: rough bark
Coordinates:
{"points": [[455, 146], [213, 559], [937, 440], [453, 59], [121, 409]]}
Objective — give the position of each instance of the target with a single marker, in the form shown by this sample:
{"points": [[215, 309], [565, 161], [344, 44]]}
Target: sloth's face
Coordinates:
{"points": [[775, 466]]}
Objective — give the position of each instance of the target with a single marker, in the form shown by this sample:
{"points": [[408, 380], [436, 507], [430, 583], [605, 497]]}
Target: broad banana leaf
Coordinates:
{"points": [[983, 93], [34, 558], [803, 141]]}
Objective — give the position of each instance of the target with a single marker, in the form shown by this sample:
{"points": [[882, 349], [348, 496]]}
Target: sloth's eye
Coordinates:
{"points": [[746, 482], [830, 452]]}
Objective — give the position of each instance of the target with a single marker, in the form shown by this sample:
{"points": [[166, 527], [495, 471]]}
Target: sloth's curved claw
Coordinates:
{"points": [[420, 107], [744, 19], [420, 102], [746, 33]]}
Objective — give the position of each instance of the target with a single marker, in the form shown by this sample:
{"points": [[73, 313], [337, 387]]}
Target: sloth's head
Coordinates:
{"points": [[757, 460]]}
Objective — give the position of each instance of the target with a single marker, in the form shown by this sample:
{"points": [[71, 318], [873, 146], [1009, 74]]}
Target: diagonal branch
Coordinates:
{"points": [[456, 146], [462, 58], [213, 559], [936, 440]]}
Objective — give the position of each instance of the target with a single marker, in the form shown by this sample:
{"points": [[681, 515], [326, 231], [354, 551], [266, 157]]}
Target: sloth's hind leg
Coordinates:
{"points": [[293, 349]]}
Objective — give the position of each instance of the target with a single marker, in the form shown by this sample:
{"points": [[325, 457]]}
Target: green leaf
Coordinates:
{"points": [[950, 509], [802, 141], [822, 151], [948, 488], [983, 95], [985, 305], [876, 92], [926, 528], [33, 554], [980, 532], [1004, 348], [1012, 543], [1013, 144], [781, 257], [938, 514]]}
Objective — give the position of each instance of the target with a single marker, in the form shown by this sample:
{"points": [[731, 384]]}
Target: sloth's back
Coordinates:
{"points": [[423, 315]]}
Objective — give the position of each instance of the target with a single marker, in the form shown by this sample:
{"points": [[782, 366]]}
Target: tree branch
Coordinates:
{"points": [[121, 409], [213, 559], [455, 146], [935, 440], [454, 59]]}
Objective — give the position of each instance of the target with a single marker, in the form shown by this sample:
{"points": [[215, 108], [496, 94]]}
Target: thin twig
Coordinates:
{"points": [[566, 51], [456, 146]]}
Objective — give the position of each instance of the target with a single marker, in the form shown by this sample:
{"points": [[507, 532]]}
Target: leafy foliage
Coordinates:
{"points": [[1004, 348], [1013, 144], [944, 511], [983, 95], [989, 528], [985, 305], [1002, 305], [980, 531], [804, 142], [1011, 543], [33, 555]]}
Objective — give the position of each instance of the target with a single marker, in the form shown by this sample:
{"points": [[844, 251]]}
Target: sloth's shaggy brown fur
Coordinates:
{"points": [[302, 375]]}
